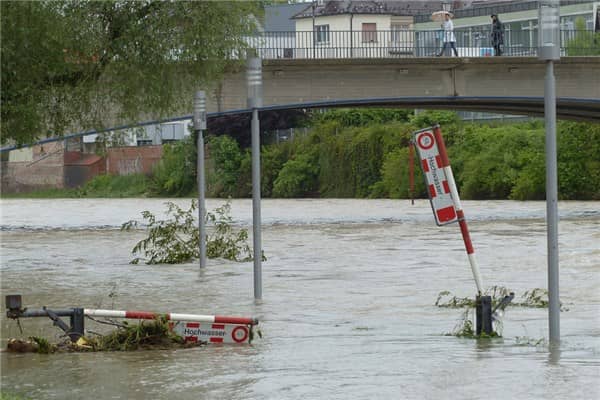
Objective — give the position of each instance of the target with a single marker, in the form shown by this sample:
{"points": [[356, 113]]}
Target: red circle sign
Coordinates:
{"points": [[425, 140], [244, 336]]}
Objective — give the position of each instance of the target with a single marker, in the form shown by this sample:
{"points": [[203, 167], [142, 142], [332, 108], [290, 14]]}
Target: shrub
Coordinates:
{"points": [[297, 178], [175, 174]]}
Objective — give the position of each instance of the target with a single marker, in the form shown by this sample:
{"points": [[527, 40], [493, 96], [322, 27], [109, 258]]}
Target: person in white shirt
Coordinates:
{"points": [[449, 38]]}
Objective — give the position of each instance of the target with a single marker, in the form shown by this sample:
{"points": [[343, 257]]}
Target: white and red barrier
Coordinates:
{"points": [[212, 333], [193, 327], [442, 190]]}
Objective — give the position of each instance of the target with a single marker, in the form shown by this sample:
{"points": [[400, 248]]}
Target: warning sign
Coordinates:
{"points": [[436, 179], [211, 332]]}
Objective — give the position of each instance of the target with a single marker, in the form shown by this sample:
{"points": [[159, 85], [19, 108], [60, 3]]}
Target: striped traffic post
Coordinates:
{"points": [[442, 190], [219, 319], [193, 327], [462, 222]]}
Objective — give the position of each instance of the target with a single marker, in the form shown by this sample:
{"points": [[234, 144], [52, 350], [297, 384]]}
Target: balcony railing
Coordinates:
{"points": [[470, 42]]}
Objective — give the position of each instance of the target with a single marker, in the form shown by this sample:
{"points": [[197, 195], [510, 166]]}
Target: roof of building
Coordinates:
{"points": [[398, 7], [476, 8], [278, 18]]}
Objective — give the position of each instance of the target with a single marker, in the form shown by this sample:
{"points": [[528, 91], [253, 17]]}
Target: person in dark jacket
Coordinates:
{"points": [[497, 35]]}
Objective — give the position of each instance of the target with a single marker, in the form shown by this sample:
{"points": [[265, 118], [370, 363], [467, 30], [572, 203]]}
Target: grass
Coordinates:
{"points": [[103, 186], [12, 396]]}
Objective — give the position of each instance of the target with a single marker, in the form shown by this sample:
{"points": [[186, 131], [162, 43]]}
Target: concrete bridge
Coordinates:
{"points": [[458, 81]]}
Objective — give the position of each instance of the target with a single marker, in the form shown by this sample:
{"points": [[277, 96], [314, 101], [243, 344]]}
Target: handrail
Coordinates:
{"points": [[411, 43]]}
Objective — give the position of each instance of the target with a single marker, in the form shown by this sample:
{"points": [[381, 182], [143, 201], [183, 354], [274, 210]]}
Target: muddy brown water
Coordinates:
{"points": [[348, 302]]}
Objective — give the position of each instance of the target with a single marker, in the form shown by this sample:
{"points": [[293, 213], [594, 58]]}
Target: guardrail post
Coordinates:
{"points": [[483, 315]]}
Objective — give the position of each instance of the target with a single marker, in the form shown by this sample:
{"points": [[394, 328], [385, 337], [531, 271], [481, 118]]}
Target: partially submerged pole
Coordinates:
{"points": [[411, 171], [254, 102], [549, 51], [200, 125], [464, 229]]}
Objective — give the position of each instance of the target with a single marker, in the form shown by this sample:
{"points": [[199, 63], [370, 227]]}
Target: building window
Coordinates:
{"points": [[369, 33], [322, 33], [144, 142]]}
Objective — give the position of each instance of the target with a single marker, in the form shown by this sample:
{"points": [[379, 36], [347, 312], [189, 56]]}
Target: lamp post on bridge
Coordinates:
{"points": [[254, 75], [549, 50]]}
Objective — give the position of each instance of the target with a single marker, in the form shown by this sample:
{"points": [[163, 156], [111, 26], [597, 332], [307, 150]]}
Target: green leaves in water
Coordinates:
{"points": [[535, 298], [146, 334], [175, 240]]}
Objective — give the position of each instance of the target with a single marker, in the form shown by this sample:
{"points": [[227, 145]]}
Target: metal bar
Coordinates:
{"points": [[552, 204], [199, 119], [411, 172], [171, 316], [256, 217], [65, 312]]}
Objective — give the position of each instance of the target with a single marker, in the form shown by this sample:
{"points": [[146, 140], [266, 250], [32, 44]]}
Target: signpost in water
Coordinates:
{"points": [[447, 208]]}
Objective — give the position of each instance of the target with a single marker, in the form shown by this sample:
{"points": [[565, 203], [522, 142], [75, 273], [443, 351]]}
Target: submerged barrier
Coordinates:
{"points": [[191, 327]]}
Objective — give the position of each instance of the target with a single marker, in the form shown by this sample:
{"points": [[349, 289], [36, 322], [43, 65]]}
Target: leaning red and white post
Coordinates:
{"points": [[462, 221]]}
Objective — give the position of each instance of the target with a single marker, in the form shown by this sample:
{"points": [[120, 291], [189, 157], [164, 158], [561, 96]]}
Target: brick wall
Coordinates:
{"points": [[42, 169], [132, 160]]}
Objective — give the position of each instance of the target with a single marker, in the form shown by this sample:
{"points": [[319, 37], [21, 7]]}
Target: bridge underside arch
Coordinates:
{"points": [[237, 122]]}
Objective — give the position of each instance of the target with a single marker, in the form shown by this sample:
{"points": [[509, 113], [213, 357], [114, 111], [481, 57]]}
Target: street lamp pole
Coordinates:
{"points": [[254, 75], [199, 120], [549, 50]]}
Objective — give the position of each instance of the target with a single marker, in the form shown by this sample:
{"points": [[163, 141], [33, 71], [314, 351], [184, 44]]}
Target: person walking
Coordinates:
{"points": [[449, 38], [497, 35]]}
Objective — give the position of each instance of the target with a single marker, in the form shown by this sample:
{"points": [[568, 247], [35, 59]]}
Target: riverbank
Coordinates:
{"points": [[103, 186], [365, 154]]}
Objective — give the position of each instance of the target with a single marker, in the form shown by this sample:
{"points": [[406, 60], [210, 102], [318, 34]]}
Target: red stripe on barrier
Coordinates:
{"points": [[464, 230], [191, 339], [438, 161], [216, 340], [141, 315], [441, 146], [446, 186], [432, 191], [234, 320], [218, 326], [425, 165], [193, 324], [446, 214]]}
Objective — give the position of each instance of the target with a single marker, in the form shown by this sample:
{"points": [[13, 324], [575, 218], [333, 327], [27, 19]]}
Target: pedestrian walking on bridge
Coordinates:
{"points": [[497, 35], [449, 38]]}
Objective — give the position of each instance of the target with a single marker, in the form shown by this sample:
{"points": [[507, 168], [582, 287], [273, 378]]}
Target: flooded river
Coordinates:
{"points": [[348, 302]]}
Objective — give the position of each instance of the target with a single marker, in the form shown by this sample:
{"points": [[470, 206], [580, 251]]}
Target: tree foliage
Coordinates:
{"points": [[175, 174], [78, 64], [584, 42], [176, 239], [490, 161]]}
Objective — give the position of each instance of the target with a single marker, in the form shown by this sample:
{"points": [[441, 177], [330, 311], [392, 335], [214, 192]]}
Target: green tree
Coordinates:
{"points": [[175, 174], [297, 178], [584, 42], [226, 159], [77, 64]]}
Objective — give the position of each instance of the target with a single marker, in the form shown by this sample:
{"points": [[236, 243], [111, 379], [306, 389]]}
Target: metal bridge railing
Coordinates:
{"points": [[470, 42]]}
